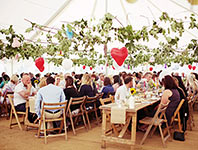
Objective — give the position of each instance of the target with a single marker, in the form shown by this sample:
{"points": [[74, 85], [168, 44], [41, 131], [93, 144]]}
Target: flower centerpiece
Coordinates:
{"points": [[133, 91], [131, 99]]}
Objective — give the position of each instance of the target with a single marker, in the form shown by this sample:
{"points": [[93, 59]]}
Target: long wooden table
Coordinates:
{"points": [[130, 114]]}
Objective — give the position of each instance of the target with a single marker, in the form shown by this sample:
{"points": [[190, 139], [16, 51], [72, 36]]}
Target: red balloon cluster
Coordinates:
{"points": [[39, 62], [191, 67], [119, 55]]}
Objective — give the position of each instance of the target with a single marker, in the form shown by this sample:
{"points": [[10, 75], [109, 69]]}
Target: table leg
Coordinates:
{"points": [[104, 127], [133, 128]]}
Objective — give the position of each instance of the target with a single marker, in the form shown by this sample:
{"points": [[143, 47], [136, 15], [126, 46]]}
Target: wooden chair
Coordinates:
{"points": [[156, 121], [43, 120], [5, 107], [70, 114], [105, 101], [176, 117], [15, 113], [110, 94], [91, 101]]}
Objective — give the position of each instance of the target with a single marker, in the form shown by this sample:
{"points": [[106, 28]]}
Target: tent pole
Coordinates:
{"points": [[105, 46]]}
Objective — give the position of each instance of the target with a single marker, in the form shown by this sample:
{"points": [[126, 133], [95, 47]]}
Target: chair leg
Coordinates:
{"points": [[84, 120], [153, 130], [146, 134], [162, 136], [18, 122], [72, 123], [64, 121], [39, 129], [45, 135], [86, 113], [10, 123]]}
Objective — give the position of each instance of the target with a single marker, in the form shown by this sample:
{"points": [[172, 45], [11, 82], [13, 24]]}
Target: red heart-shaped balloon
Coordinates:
{"points": [[90, 68], [194, 67], [190, 67], [119, 55], [39, 62], [42, 69], [84, 67]]}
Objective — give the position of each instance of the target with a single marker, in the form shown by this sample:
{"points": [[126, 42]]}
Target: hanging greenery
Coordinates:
{"points": [[78, 41]]}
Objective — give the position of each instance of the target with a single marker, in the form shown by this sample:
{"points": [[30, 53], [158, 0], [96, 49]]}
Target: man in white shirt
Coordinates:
{"points": [[124, 91], [21, 93], [49, 94]]}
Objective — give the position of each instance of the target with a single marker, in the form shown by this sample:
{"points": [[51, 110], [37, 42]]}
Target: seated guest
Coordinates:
{"points": [[70, 90], [107, 87], [42, 82], [192, 85], [138, 77], [170, 96], [77, 80], [124, 91], [21, 93], [49, 94], [93, 83], [10, 86], [144, 82], [116, 82], [86, 88], [6, 79], [100, 81]]}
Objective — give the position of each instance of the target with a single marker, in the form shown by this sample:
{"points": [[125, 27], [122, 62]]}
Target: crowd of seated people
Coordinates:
{"points": [[79, 85]]}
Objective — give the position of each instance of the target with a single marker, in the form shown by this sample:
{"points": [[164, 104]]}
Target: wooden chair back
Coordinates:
{"points": [[110, 94], [43, 120], [16, 113], [91, 102], [79, 102], [5, 107], [176, 116], [104, 101]]}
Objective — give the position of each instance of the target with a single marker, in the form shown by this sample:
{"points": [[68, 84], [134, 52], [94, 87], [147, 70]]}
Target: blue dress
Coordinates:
{"points": [[106, 90]]}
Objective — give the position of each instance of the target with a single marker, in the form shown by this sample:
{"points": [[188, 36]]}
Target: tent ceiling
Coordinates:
{"points": [[40, 11]]}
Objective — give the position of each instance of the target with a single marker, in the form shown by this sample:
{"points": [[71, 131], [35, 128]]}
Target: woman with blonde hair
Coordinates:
{"points": [[192, 84], [42, 82], [86, 88]]}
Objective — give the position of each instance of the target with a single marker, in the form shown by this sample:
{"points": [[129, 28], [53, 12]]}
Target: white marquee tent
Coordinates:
{"points": [[53, 13]]}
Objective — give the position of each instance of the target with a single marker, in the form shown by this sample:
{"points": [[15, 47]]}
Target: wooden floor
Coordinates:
{"points": [[14, 139]]}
